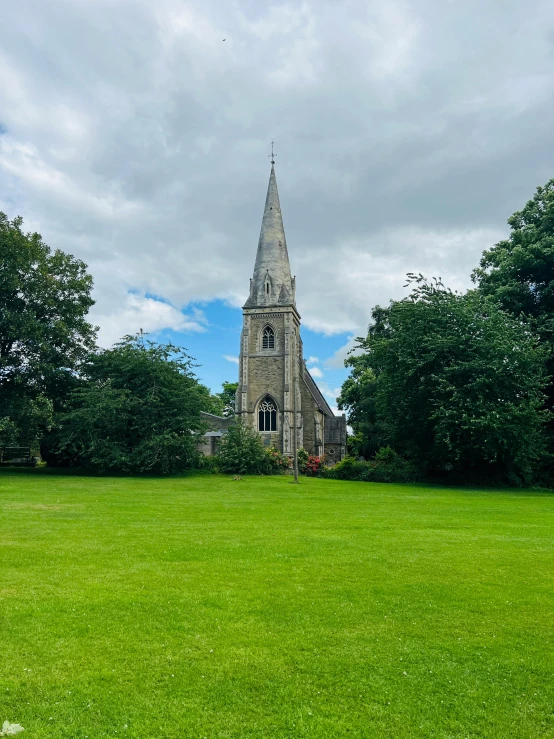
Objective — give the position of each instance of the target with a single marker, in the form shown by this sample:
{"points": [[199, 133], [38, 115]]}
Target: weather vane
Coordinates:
{"points": [[272, 154]]}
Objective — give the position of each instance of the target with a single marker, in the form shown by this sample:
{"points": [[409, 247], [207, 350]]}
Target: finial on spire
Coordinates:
{"points": [[272, 155]]}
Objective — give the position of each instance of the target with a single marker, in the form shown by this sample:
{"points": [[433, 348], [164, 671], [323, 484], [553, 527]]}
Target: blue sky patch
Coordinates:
{"points": [[217, 348]]}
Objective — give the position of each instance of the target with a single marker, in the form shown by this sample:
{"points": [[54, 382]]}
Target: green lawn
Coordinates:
{"points": [[204, 607]]}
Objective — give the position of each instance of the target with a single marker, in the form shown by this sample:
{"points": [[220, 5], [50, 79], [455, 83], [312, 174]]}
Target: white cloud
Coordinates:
{"points": [[229, 358], [315, 372], [371, 271], [330, 393], [141, 145], [312, 360], [336, 361], [141, 312]]}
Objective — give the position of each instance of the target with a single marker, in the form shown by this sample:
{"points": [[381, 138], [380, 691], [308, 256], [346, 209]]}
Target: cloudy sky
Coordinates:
{"points": [[134, 134]]}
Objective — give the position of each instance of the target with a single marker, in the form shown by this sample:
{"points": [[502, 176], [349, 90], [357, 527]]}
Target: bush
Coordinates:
{"points": [[137, 410], [454, 383], [309, 464], [208, 463], [302, 456], [242, 453], [277, 462], [387, 466], [314, 465]]}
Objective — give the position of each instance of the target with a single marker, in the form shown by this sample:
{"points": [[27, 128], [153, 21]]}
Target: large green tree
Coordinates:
{"points": [[139, 411], [227, 396], [519, 271], [44, 333], [357, 397], [452, 382], [223, 403]]}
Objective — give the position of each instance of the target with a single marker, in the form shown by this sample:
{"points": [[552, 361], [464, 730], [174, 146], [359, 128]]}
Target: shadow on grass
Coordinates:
{"points": [[43, 469]]}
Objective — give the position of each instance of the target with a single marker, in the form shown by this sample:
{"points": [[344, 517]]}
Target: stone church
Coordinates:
{"points": [[275, 390]]}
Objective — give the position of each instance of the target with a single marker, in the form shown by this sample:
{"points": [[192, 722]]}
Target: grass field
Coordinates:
{"points": [[204, 607]]}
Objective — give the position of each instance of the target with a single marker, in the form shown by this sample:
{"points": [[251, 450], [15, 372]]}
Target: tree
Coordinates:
{"points": [[458, 384], [211, 403], [223, 403], [519, 271], [357, 398], [25, 418], [227, 396], [242, 451], [138, 412], [44, 334]]}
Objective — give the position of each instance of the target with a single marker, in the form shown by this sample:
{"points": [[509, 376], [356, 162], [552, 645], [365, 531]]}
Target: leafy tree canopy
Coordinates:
{"points": [[138, 412], [227, 396], [357, 398], [44, 334], [242, 451], [450, 381], [519, 274], [223, 403], [25, 418], [519, 271], [44, 300]]}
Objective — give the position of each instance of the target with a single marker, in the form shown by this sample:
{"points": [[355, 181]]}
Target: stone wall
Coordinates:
{"points": [[309, 409], [271, 372], [265, 371], [332, 454]]}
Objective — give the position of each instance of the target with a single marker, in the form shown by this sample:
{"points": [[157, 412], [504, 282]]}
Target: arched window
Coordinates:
{"points": [[267, 415], [268, 338]]}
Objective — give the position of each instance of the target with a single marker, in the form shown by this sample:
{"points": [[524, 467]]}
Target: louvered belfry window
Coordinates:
{"points": [[267, 415], [268, 338]]}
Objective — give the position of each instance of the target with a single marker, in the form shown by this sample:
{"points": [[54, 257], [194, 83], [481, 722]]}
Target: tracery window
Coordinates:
{"points": [[268, 338], [267, 415]]}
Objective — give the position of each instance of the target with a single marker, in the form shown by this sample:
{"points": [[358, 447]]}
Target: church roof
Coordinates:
{"points": [[322, 404], [272, 283]]}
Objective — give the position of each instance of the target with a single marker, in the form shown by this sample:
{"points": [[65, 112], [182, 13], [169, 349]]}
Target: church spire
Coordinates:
{"points": [[272, 283]]}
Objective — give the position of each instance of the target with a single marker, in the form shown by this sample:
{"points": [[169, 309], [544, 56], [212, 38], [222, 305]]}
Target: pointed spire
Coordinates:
{"points": [[272, 283]]}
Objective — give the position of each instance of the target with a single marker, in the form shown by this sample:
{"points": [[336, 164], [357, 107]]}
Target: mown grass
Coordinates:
{"points": [[204, 607]]}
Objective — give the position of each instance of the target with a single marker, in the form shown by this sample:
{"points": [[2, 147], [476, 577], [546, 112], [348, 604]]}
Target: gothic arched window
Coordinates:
{"points": [[268, 338], [267, 415]]}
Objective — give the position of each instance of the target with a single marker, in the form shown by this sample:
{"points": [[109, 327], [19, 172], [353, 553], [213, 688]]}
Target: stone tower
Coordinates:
{"points": [[275, 387], [270, 354]]}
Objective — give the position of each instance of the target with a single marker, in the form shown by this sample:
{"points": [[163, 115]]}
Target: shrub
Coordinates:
{"points": [[302, 456], [208, 463], [309, 464], [387, 466], [242, 452], [137, 410], [314, 465], [277, 462]]}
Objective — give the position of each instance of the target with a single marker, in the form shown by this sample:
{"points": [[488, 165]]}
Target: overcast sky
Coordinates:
{"points": [[135, 137]]}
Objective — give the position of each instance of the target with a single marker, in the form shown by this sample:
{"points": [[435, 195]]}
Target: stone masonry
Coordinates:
{"points": [[272, 372], [278, 372]]}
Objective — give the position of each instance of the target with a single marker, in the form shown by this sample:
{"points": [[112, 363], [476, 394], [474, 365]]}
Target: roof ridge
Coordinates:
{"points": [[317, 395]]}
